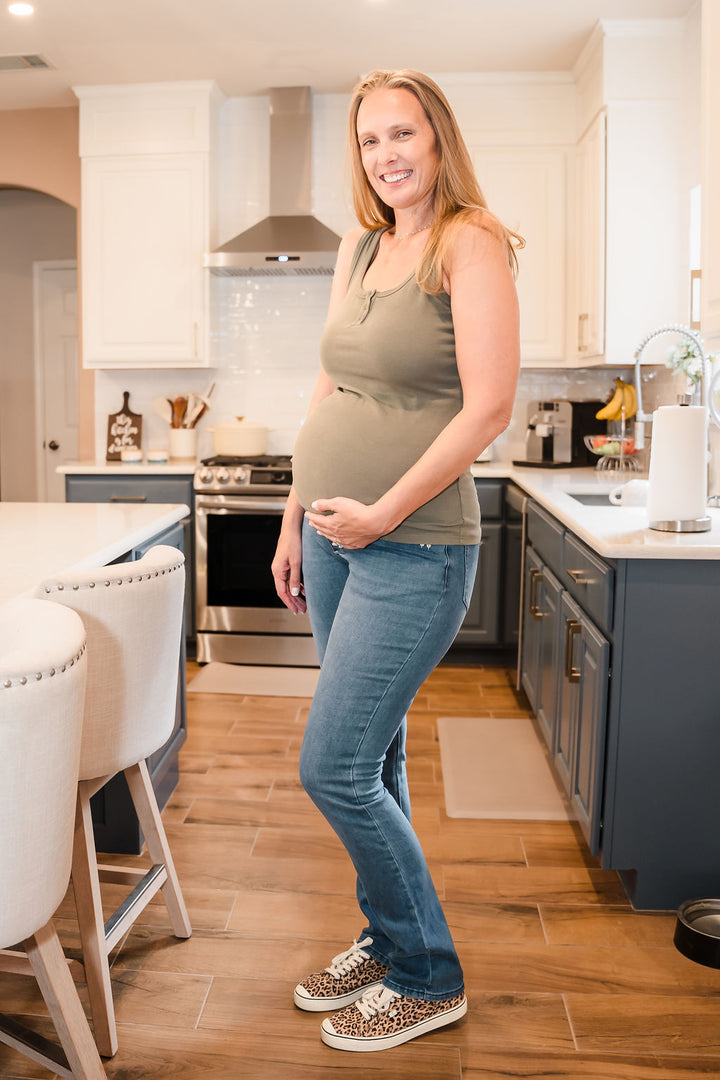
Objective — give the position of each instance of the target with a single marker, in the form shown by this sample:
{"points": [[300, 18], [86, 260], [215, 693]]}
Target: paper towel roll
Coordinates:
{"points": [[677, 488]]}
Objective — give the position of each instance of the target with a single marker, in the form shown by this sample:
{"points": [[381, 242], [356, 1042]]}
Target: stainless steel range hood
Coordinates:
{"points": [[290, 240]]}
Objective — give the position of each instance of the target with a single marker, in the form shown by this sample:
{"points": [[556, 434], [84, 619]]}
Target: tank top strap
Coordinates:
{"points": [[364, 252]]}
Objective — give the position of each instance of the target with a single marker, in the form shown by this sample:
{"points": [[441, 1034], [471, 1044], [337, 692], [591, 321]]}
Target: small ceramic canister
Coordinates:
{"points": [[183, 444]]}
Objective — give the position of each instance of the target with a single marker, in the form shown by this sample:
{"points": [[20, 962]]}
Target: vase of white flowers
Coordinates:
{"points": [[684, 359]]}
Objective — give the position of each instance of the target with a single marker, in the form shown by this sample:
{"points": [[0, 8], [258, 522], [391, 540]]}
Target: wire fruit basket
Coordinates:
{"points": [[615, 453]]}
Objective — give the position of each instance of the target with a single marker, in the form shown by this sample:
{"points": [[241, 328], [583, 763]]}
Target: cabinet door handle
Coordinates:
{"points": [[128, 498], [572, 629], [536, 576], [578, 576], [582, 322]]}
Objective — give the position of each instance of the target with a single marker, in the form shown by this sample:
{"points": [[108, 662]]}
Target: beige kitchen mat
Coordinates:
{"points": [[497, 768], [219, 678]]}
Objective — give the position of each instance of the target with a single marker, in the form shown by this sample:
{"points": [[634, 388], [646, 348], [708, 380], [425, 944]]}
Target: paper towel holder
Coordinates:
{"points": [[689, 525]]}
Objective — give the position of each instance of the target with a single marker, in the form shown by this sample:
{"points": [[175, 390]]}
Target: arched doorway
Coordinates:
{"points": [[38, 232]]}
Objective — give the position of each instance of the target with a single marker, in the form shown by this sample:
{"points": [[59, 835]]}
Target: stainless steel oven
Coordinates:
{"points": [[238, 511]]}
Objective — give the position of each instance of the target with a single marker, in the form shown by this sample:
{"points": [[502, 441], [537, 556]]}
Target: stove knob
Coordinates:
{"points": [[222, 476], [240, 476], [205, 476]]}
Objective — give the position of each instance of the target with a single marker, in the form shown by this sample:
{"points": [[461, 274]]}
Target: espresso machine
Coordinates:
{"points": [[555, 433]]}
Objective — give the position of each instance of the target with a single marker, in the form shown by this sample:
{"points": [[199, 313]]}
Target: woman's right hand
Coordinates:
{"points": [[286, 570], [286, 566]]}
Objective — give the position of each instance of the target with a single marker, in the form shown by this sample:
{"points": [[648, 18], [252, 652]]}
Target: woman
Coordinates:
{"points": [[380, 536]]}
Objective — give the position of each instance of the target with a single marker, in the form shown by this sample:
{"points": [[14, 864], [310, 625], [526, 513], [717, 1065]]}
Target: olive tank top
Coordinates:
{"points": [[391, 356]]}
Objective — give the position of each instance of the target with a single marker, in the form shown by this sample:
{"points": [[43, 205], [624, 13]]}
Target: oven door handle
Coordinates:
{"points": [[229, 503]]}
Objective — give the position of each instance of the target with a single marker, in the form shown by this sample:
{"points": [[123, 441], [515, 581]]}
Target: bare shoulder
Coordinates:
{"points": [[351, 238], [349, 242], [474, 234], [343, 264], [346, 251]]}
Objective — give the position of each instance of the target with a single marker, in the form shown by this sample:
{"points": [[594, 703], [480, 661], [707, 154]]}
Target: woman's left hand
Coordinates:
{"points": [[348, 523]]}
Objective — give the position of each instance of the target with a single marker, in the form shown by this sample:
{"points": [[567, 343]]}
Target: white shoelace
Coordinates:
{"points": [[376, 1001], [344, 962]]}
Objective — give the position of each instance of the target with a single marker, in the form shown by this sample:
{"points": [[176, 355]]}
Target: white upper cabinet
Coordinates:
{"points": [[146, 224], [710, 290], [520, 131], [629, 249], [586, 292], [527, 188]]}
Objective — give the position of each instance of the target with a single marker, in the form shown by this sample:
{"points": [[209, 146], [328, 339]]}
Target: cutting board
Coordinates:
{"points": [[124, 430]]}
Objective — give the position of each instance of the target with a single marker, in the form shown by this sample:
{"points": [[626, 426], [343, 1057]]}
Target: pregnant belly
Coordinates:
{"points": [[352, 445]]}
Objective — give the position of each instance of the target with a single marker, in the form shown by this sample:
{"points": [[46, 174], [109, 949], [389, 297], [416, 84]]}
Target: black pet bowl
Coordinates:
{"points": [[697, 931]]}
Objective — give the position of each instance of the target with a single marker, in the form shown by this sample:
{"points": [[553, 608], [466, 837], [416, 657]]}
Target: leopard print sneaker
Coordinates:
{"points": [[382, 1019], [348, 977]]}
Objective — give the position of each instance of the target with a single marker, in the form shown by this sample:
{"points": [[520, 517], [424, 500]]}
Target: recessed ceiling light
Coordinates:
{"points": [[21, 9]]}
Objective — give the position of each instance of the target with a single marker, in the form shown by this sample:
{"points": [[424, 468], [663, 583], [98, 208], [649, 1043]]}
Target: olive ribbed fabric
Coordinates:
{"points": [[391, 355]]}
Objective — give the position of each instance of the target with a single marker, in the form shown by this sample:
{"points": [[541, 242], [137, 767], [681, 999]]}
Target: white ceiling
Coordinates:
{"points": [[249, 45]]}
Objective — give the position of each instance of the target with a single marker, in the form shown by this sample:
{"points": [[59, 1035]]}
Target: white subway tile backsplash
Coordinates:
{"points": [[265, 344], [265, 335]]}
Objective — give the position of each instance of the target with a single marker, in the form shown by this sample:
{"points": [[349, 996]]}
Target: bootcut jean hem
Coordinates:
{"points": [[409, 991]]}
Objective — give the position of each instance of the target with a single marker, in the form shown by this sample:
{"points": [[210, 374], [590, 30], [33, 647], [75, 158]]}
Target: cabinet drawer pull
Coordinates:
{"points": [[572, 629], [128, 498], [582, 321], [578, 576], [536, 576]]}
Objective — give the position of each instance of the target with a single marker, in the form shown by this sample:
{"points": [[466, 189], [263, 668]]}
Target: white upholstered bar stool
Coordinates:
{"points": [[133, 616], [43, 668]]}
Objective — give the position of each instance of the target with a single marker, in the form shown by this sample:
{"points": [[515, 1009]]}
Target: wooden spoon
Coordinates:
{"points": [[179, 406]]}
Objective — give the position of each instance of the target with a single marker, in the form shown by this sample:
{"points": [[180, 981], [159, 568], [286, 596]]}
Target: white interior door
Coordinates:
{"points": [[56, 387]]}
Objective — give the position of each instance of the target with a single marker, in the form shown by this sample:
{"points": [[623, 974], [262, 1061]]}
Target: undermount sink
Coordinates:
{"points": [[592, 498]]}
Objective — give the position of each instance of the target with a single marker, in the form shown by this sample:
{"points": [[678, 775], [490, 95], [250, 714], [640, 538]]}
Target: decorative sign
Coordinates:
{"points": [[124, 431]]}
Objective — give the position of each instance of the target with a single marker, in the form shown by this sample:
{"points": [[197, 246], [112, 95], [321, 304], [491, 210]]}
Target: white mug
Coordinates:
{"points": [[634, 493]]}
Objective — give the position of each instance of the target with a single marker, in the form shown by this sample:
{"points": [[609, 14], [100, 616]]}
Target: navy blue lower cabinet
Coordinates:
{"points": [[511, 574], [540, 643], [580, 747], [493, 616], [530, 651], [482, 622], [662, 802]]}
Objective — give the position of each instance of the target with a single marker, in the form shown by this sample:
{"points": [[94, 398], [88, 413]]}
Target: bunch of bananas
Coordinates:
{"points": [[624, 398]]}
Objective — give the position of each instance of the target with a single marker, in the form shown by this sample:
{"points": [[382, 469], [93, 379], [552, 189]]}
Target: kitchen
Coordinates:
{"points": [[244, 333]]}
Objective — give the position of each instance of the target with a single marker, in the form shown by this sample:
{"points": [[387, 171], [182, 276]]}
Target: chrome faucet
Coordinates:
{"points": [[642, 418]]}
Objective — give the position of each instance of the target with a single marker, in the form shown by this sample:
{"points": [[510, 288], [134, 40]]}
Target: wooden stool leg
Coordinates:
{"points": [[146, 807], [55, 981], [86, 886]]}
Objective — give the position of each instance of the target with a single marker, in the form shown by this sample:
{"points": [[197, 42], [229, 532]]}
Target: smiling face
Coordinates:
{"points": [[398, 149]]}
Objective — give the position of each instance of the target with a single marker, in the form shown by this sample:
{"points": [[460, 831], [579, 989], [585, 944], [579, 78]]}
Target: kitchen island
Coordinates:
{"points": [[39, 540]]}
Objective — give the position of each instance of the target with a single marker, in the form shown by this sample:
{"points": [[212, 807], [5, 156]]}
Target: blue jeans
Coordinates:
{"points": [[382, 618]]}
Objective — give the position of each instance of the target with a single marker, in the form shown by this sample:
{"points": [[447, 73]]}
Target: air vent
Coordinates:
{"points": [[29, 61], [281, 270]]}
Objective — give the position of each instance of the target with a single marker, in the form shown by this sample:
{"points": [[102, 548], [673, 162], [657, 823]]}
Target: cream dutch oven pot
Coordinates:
{"points": [[239, 438]]}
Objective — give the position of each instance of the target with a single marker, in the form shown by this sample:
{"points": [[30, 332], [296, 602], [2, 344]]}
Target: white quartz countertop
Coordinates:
{"points": [[38, 540], [615, 532], [114, 468]]}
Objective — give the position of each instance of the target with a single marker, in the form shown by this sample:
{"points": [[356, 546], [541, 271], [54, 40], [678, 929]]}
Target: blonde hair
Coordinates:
{"points": [[458, 196]]}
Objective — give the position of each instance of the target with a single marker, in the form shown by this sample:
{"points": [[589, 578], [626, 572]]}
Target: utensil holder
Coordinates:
{"points": [[182, 444]]}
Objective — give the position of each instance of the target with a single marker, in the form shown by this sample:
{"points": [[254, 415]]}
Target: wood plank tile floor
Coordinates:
{"points": [[565, 981]]}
